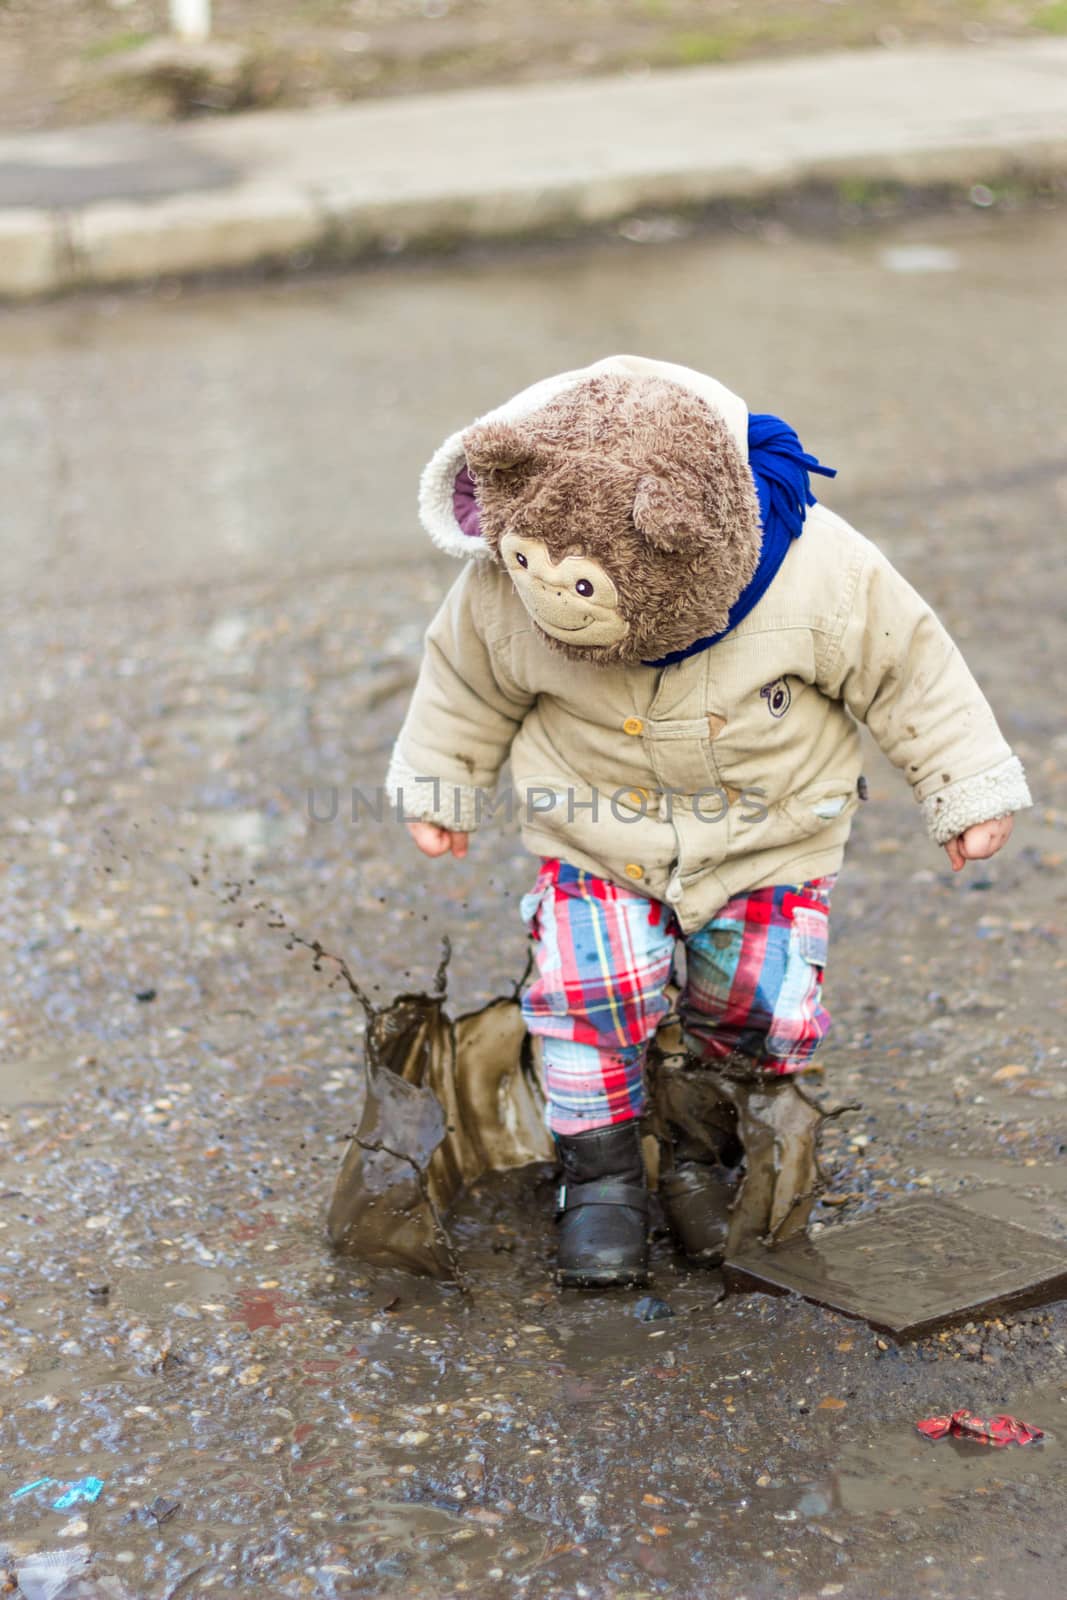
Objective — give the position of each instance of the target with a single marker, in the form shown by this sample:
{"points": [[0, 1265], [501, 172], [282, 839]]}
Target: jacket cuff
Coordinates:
{"points": [[995, 793], [419, 798]]}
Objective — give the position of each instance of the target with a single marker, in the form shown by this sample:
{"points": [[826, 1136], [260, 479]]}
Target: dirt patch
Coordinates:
{"points": [[85, 60]]}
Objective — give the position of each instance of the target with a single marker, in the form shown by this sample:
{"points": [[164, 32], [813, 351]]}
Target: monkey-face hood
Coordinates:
{"points": [[618, 498]]}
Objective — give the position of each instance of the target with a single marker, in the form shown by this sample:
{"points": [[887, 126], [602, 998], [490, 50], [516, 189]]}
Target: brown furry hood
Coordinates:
{"points": [[623, 485]]}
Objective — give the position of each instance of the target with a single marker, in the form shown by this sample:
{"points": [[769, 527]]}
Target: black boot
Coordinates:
{"points": [[603, 1208], [697, 1185]]}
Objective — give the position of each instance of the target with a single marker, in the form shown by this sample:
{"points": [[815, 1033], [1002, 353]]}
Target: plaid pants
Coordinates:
{"points": [[604, 956]]}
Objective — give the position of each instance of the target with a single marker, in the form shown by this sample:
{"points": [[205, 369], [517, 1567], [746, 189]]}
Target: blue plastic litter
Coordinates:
{"points": [[28, 1488], [85, 1491]]}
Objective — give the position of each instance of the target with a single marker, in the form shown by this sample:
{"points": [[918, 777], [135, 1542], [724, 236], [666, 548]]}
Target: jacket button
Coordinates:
{"points": [[633, 870], [637, 797], [633, 726]]}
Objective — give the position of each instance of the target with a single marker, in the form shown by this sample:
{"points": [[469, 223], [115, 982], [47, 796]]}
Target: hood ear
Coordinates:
{"points": [[661, 515], [497, 447]]}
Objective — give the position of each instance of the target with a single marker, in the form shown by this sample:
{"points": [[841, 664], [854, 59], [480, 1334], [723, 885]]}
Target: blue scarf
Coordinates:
{"points": [[780, 466]]}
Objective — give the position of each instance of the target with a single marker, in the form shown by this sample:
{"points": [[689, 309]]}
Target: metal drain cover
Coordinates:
{"points": [[914, 1267]]}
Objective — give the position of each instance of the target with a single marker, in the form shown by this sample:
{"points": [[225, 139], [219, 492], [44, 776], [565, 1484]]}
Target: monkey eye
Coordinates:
{"points": [[521, 560], [584, 587]]}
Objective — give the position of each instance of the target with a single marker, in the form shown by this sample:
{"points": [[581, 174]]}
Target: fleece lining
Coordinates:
{"points": [[420, 799], [989, 795]]}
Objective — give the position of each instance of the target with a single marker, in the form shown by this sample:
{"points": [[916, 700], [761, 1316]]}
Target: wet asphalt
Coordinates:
{"points": [[212, 591]]}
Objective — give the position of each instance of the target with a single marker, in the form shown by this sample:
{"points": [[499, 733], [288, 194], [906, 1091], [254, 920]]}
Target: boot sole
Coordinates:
{"points": [[710, 1259], [576, 1279]]}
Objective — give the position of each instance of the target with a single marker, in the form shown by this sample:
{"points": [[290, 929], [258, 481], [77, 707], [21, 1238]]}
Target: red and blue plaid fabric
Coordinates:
{"points": [[604, 956], [755, 978]]}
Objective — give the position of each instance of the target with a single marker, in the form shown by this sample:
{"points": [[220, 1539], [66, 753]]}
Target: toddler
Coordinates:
{"points": [[674, 642]]}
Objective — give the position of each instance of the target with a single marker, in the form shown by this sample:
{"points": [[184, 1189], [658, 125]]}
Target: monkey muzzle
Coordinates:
{"points": [[573, 600]]}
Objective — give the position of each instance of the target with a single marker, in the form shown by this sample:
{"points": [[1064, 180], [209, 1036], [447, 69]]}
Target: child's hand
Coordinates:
{"points": [[435, 841], [979, 842]]}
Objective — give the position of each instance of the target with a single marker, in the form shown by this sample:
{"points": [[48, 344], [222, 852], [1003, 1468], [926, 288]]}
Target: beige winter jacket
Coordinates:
{"points": [[734, 769]]}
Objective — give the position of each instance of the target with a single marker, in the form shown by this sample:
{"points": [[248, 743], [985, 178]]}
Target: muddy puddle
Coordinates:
{"points": [[446, 1102], [267, 1416], [36, 1081], [902, 1471], [403, 1403]]}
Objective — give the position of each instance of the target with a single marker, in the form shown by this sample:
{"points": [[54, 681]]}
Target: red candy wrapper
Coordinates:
{"points": [[997, 1431]]}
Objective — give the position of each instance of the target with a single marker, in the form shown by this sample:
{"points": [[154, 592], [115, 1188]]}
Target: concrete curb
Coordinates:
{"points": [[340, 185]]}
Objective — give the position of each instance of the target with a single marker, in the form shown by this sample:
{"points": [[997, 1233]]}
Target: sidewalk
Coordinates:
{"points": [[124, 203]]}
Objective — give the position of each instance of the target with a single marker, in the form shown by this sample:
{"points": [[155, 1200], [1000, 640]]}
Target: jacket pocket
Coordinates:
{"points": [[820, 804], [715, 725]]}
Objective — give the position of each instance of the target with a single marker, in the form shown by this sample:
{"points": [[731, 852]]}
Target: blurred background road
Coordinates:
{"points": [[152, 443]]}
